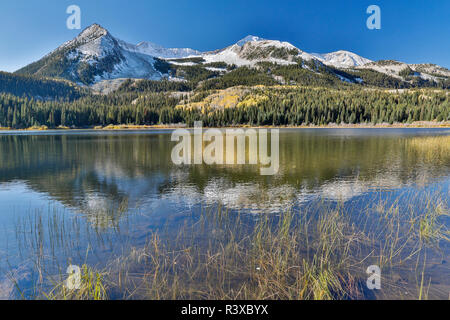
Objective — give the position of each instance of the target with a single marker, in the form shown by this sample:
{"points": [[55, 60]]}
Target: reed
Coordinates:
{"points": [[431, 149]]}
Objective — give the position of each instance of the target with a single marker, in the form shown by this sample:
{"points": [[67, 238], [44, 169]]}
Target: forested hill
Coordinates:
{"points": [[38, 88], [236, 106]]}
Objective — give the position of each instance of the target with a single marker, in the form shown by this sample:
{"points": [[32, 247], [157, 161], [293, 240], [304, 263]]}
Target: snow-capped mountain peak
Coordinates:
{"points": [[93, 31], [88, 35], [252, 49], [342, 59], [92, 56], [156, 50], [248, 38], [94, 42]]}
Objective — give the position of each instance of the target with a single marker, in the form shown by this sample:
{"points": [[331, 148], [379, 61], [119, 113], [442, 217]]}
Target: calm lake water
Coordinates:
{"points": [[125, 183]]}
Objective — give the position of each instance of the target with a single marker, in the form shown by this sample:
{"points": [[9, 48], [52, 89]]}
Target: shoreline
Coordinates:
{"points": [[414, 125]]}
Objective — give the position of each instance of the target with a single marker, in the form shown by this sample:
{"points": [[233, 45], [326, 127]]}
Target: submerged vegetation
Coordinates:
{"points": [[319, 251]]}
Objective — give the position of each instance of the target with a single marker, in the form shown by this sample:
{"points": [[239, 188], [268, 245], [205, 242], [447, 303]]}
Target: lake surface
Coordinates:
{"points": [[125, 183]]}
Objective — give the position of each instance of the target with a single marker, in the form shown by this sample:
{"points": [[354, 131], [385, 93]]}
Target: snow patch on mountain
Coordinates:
{"points": [[431, 69], [391, 68], [229, 56], [342, 59], [158, 51], [394, 68], [134, 65]]}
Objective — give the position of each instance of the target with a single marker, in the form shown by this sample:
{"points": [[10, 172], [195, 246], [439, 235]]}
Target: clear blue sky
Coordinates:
{"points": [[412, 31]]}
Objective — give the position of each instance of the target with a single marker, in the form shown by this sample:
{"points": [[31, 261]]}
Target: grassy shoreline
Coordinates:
{"points": [[413, 125]]}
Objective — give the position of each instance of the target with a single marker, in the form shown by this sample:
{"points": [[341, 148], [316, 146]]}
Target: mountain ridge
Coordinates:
{"points": [[95, 55]]}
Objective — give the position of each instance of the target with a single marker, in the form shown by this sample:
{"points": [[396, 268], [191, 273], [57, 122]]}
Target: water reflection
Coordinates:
{"points": [[104, 177], [111, 173]]}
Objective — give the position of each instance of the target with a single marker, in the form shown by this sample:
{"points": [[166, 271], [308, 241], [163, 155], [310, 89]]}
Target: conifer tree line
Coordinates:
{"points": [[29, 86], [282, 106]]}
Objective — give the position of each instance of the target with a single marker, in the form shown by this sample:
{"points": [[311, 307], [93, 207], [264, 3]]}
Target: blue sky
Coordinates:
{"points": [[412, 31]]}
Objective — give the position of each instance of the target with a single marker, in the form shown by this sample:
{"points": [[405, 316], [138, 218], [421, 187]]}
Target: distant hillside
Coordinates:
{"points": [[37, 88]]}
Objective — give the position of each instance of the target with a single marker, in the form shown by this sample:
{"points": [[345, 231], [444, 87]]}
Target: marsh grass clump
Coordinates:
{"points": [[430, 227], [267, 262], [317, 253]]}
